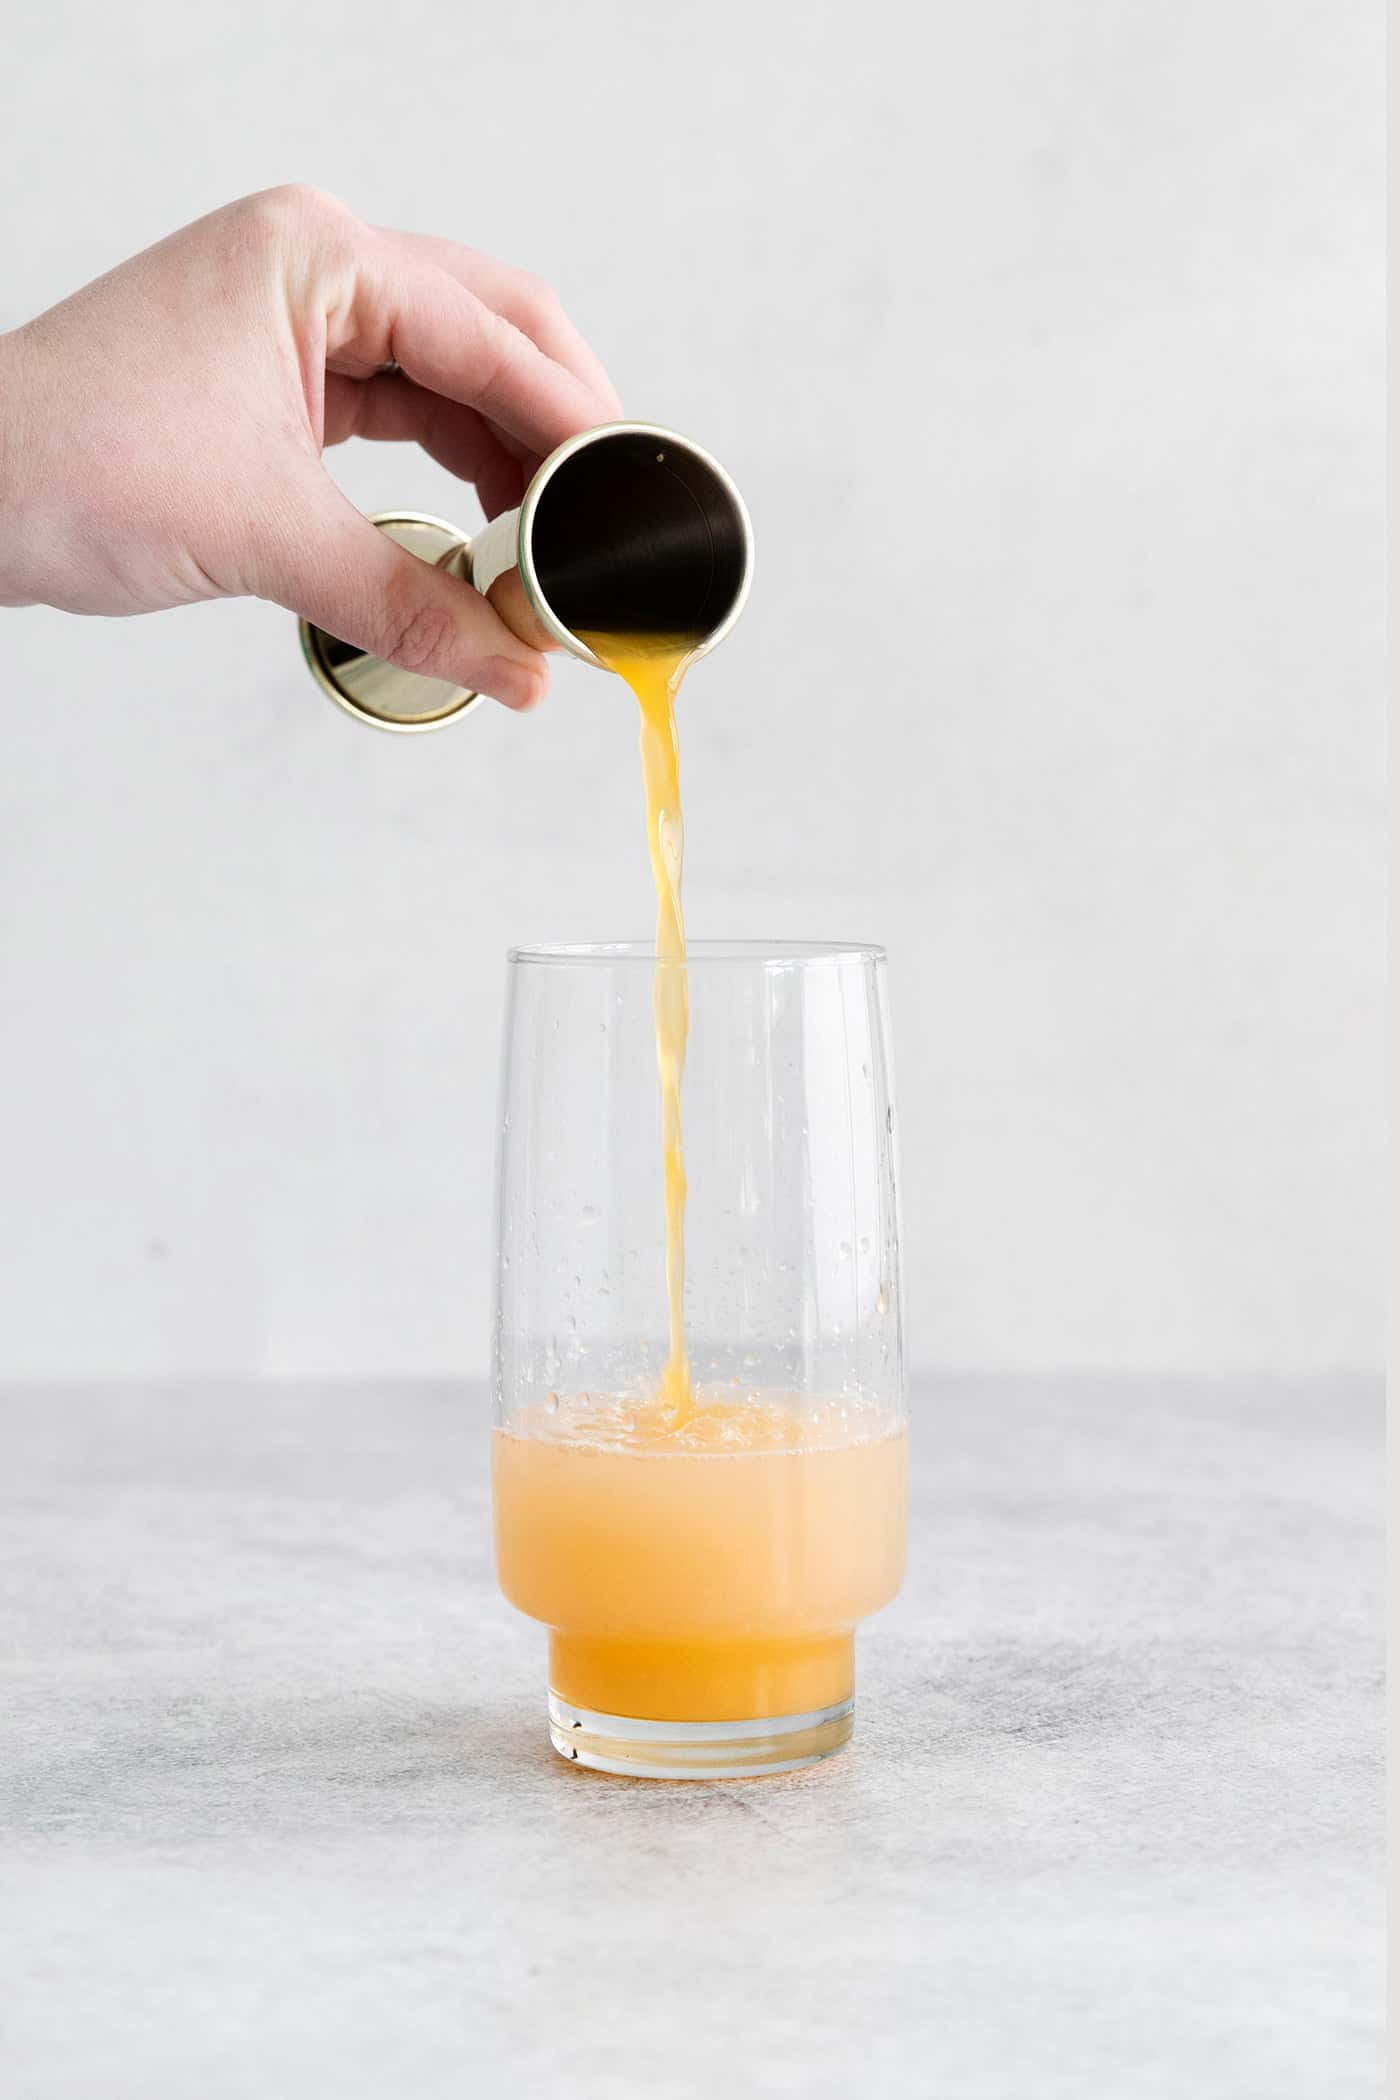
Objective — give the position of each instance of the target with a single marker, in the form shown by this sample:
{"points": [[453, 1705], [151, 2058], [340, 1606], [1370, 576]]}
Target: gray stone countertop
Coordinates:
{"points": [[279, 1816]]}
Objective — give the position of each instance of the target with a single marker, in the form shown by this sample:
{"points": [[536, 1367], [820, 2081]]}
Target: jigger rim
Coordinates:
{"points": [[544, 474]]}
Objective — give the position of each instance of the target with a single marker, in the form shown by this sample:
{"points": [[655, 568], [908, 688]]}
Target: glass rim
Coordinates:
{"points": [[775, 955]]}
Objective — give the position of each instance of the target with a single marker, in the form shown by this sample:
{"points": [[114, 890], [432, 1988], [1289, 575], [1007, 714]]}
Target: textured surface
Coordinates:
{"points": [[279, 1815]]}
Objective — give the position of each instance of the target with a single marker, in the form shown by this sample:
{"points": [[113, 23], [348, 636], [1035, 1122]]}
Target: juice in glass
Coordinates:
{"points": [[711, 1572]]}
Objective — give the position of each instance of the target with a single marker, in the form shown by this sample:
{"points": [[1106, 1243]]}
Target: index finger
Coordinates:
{"points": [[524, 300], [401, 309]]}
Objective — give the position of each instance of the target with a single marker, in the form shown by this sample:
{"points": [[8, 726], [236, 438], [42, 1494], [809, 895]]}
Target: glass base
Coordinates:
{"points": [[698, 1749]]}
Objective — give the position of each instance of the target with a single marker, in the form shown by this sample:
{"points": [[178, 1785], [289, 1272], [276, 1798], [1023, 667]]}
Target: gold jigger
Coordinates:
{"points": [[625, 529]]}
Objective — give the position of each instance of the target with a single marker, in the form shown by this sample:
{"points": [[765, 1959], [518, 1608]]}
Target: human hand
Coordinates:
{"points": [[161, 431]]}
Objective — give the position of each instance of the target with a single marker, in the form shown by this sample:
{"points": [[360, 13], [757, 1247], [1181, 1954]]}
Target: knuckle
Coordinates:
{"points": [[495, 337], [294, 207], [418, 638], [538, 299]]}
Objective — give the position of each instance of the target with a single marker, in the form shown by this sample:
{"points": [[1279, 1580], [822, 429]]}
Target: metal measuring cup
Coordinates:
{"points": [[625, 529]]}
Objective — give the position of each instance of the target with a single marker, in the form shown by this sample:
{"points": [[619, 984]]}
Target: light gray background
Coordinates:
{"points": [[1046, 345]]}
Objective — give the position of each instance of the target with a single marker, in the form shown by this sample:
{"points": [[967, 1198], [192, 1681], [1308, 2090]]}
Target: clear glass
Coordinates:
{"points": [[701, 1580]]}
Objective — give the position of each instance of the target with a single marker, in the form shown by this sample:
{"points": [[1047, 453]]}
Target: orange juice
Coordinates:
{"points": [[654, 665], [699, 1558], [711, 1571]]}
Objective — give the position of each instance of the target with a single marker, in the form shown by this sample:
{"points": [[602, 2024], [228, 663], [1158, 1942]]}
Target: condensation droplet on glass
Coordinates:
{"points": [[551, 1405], [882, 1303], [863, 1245], [889, 1119], [845, 1250]]}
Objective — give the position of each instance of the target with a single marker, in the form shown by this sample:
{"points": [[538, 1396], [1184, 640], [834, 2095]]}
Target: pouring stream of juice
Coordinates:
{"points": [[698, 1560], [654, 665]]}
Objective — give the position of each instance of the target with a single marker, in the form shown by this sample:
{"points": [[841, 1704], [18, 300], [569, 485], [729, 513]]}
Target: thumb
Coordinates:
{"points": [[346, 576]]}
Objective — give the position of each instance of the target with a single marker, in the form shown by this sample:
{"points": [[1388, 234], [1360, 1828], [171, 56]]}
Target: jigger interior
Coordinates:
{"points": [[634, 530]]}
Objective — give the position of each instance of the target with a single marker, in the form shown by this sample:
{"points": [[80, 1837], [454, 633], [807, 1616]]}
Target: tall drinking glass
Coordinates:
{"points": [[701, 1574]]}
